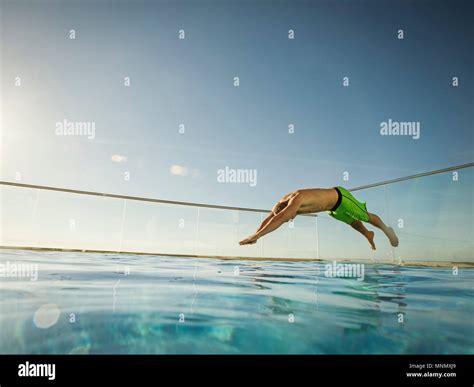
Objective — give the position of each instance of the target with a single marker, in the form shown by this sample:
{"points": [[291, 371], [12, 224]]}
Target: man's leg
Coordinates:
{"points": [[388, 231], [359, 226]]}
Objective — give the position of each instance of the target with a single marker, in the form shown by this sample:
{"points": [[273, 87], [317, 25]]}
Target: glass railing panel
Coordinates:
{"points": [[17, 216], [294, 239], [77, 221], [159, 228], [60, 220], [434, 216], [221, 230]]}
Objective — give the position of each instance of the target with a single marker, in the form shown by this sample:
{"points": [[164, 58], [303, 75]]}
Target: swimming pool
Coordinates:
{"points": [[120, 304]]}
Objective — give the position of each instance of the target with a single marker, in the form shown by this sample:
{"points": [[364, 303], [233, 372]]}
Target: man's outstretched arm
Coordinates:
{"points": [[289, 212], [265, 221]]}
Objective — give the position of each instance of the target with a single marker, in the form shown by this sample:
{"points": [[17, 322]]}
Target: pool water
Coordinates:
{"points": [[128, 304]]}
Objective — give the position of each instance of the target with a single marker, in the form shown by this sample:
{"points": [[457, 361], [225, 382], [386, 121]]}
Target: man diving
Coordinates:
{"points": [[338, 201]]}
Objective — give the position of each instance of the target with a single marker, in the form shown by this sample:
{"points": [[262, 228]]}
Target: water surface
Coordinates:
{"points": [[115, 303]]}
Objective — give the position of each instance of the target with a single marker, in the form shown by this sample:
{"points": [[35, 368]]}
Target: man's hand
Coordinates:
{"points": [[249, 240]]}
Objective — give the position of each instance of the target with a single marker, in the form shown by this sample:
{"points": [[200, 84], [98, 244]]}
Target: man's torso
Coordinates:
{"points": [[313, 199]]}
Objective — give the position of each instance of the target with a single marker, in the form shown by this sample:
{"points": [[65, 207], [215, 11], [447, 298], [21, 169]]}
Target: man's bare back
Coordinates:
{"points": [[338, 201], [311, 200]]}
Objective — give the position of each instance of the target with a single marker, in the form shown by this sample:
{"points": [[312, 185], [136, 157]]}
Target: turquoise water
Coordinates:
{"points": [[113, 303]]}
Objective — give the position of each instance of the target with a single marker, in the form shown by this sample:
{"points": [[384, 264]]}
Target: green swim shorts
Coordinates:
{"points": [[348, 208]]}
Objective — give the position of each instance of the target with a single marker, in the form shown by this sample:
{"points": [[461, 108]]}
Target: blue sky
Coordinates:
{"points": [[190, 82]]}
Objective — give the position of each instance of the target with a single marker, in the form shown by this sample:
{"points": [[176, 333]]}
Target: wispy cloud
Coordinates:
{"points": [[118, 158], [178, 170]]}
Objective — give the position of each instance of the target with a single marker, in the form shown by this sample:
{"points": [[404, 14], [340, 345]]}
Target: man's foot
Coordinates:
{"points": [[370, 238], [392, 236]]}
